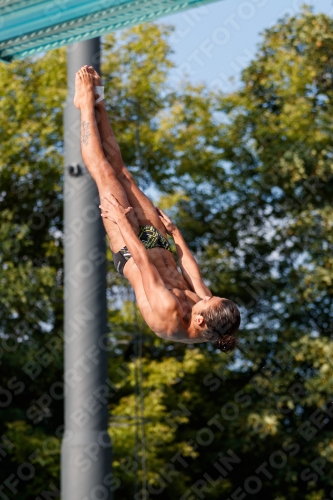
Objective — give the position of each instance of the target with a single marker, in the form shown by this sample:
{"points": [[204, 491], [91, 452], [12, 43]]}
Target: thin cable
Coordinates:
{"points": [[142, 409], [137, 401], [142, 406]]}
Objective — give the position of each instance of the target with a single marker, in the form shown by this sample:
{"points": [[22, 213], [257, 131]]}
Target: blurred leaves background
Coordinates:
{"points": [[248, 178]]}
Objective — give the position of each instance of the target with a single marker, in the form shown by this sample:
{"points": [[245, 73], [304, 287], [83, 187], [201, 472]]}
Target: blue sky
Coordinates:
{"points": [[215, 42]]}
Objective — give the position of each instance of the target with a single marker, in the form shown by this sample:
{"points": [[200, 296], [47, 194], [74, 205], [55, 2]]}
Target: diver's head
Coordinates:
{"points": [[216, 320]]}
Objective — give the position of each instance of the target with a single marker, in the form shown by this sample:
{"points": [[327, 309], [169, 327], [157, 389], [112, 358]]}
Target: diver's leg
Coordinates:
{"points": [[142, 206], [93, 156]]}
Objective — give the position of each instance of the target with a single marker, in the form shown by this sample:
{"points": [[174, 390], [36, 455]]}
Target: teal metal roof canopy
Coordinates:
{"points": [[28, 27]]}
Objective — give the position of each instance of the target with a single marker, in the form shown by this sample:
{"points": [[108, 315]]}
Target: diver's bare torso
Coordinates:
{"points": [[170, 326]]}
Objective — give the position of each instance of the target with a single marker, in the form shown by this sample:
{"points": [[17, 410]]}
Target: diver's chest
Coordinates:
{"points": [[182, 300]]}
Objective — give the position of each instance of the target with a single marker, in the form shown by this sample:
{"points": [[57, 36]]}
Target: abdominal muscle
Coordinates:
{"points": [[164, 262]]}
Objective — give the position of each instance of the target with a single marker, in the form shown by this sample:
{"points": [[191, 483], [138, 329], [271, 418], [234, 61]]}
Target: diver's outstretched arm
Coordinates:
{"points": [[187, 263]]}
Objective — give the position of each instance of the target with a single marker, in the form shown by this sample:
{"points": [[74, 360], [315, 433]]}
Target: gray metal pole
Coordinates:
{"points": [[86, 446]]}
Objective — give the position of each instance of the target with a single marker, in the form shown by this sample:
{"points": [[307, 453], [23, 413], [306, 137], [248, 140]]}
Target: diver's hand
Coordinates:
{"points": [[112, 209], [167, 222]]}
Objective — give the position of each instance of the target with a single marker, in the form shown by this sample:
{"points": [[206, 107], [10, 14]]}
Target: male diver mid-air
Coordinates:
{"points": [[176, 306]]}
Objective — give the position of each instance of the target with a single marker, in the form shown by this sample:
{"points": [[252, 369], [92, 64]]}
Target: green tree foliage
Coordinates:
{"points": [[248, 178], [31, 311]]}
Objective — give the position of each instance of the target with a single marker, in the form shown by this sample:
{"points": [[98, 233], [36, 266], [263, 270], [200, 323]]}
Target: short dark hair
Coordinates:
{"points": [[222, 323]]}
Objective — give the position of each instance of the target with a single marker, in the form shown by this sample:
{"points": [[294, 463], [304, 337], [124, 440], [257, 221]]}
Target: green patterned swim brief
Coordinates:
{"points": [[150, 238]]}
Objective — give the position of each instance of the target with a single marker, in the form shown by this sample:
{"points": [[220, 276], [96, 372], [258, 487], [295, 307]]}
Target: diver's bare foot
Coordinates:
{"points": [[97, 83], [96, 78], [84, 88]]}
